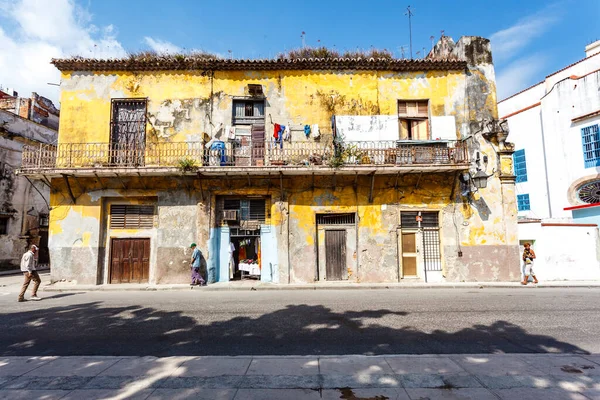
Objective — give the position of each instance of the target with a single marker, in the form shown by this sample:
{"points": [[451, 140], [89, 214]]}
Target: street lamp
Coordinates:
{"points": [[480, 179]]}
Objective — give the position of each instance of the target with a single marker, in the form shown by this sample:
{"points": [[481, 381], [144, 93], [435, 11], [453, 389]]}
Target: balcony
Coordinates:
{"points": [[245, 157]]}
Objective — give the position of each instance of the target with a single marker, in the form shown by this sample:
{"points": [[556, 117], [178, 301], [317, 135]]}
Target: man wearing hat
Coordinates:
{"points": [[28, 269], [195, 264]]}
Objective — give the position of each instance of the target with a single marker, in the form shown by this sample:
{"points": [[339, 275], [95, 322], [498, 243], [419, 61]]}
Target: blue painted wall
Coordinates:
{"points": [[587, 216], [223, 275], [268, 253]]}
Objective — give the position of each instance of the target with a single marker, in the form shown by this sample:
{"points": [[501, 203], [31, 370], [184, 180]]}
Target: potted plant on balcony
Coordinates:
{"points": [[187, 164]]}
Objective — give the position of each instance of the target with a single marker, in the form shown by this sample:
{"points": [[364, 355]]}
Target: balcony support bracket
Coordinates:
{"points": [[78, 184], [281, 185], [268, 182], [249, 184], [201, 188], [356, 183], [37, 190], [454, 182], [313, 181], [121, 180], [372, 185], [142, 181], [418, 181], [66, 178], [396, 184], [334, 181], [48, 183], [100, 181]]}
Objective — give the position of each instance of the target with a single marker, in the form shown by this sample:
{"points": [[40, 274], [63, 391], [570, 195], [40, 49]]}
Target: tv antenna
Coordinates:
{"points": [[403, 50], [409, 12]]}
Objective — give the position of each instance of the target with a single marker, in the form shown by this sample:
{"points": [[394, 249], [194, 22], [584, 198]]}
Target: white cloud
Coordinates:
{"points": [[510, 41], [519, 74], [38, 30], [162, 46]]}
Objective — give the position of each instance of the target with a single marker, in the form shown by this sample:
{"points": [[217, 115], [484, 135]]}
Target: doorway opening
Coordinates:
{"points": [[334, 250], [244, 217], [420, 245]]}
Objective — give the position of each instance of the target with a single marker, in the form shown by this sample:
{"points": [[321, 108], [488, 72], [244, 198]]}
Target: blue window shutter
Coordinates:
{"points": [[520, 165], [590, 140], [523, 202]]}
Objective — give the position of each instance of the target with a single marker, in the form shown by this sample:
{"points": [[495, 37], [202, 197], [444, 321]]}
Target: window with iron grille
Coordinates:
{"points": [[247, 112], [336, 219], [590, 138], [255, 210], [128, 122], [3, 225], [523, 202], [127, 216], [419, 219], [520, 165], [414, 119]]}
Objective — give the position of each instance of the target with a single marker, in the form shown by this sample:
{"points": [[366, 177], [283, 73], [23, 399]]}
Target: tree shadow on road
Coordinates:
{"points": [[94, 329]]}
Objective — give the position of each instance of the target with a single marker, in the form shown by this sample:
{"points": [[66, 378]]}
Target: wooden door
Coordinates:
{"points": [[130, 260], [335, 254], [410, 253]]}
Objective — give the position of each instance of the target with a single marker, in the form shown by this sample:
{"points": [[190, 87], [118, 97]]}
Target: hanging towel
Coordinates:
{"points": [[276, 128], [315, 131], [230, 131], [286, 134], [282, 129], [307, 130]]}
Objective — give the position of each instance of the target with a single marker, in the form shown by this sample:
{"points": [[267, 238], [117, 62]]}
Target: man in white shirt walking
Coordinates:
{"points": [[28, 268]]}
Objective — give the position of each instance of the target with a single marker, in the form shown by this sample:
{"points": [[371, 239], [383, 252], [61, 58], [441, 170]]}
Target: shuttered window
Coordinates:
{"points": [[126, 216], [413, 116], [413, 109], [590, 138], [520, 165]]}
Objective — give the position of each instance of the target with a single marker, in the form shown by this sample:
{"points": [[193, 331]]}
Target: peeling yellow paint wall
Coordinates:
{"points": [[183, 103]]}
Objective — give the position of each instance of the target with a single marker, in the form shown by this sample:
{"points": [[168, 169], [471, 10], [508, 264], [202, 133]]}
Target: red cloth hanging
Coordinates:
{"points": [[276, 131]]}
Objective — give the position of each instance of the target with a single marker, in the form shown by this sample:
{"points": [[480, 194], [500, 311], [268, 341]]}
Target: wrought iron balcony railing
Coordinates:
{"points": [[191, 155]]}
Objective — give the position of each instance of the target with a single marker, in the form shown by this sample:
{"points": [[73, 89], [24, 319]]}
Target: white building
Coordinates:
{"points": [[24, 205], [555, 126]]}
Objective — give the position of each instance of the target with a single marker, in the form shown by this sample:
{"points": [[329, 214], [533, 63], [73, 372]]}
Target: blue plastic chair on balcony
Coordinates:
{"points": [[217, 154]]}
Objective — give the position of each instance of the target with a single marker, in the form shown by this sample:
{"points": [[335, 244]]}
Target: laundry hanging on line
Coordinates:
{"points": [[307, 130]]}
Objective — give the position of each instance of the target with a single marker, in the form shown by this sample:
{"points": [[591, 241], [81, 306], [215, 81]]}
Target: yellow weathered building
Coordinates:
{"points": [[372, 177]]}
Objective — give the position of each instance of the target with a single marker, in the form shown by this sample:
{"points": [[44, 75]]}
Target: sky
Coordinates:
{"points": [[530, 38]]}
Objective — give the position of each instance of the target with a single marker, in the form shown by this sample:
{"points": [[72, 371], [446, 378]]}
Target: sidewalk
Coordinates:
{"points": [[257, 285], [512, 376]]}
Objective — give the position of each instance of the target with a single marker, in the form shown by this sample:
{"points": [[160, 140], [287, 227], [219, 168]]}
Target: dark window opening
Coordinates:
{"points": [[3, 225], [419, 219], [336, 219]]}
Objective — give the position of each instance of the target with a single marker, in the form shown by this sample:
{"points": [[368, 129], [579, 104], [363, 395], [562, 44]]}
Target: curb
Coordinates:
{"points": [[19, 272], [113, 288]]}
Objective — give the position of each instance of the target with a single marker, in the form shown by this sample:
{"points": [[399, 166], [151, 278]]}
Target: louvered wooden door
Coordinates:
{"points": [[335, 254], [130, 260]]}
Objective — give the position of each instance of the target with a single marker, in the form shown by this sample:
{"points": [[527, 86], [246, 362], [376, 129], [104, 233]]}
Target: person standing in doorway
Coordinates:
{"points": [[528, 257], [195, 264], [30, 273]]}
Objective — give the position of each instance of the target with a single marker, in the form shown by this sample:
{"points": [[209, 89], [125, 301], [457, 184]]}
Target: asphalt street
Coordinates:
{"points": [[335, 322]]}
